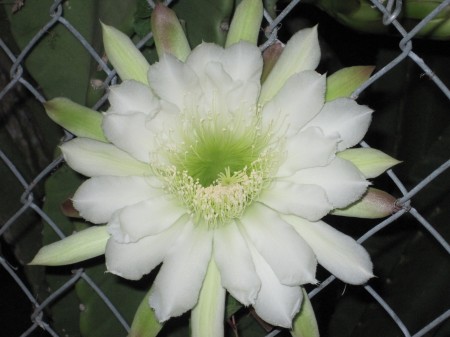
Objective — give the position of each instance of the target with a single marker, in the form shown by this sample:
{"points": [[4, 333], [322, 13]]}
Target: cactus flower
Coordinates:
{"points": [[205, 166]]}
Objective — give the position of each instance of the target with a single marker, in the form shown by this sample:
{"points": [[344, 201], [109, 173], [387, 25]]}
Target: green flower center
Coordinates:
{"points": [[219, 168]]}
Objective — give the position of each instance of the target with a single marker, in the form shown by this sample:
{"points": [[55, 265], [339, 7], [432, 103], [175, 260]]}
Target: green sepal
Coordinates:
{"points": [[145, 323], [305, 323], [83, 245], [207, 317], [246, 22], [168, 34], [128, 61], [345, 81], [76, 118], [374, 204], [369, 161]]}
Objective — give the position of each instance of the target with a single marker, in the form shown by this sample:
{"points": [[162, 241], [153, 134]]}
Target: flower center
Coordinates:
{"points": [[219, 168]]}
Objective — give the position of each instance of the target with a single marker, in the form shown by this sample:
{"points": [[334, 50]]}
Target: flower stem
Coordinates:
{"points": [[207, 317]]}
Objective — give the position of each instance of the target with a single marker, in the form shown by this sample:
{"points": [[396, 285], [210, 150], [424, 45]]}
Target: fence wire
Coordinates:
{"points": [[28, 202]]}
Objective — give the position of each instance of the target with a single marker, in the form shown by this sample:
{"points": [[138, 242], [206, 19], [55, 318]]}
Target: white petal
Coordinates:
{"points": [[346, 117], [235, 264], [135, 259], [337, 252], [176, 288], [302, 52], [202, 55], [129, 133], [172, 80], [132, 96], [298, 101], [306, 201], [276, 303], [341, 180], [308, 148], [243, 61], [92, 158], [284, 250], [148, 217], [99, 197]]}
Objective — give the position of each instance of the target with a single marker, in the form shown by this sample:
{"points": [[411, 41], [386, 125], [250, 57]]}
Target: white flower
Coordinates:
{"points": [[205, 163]]}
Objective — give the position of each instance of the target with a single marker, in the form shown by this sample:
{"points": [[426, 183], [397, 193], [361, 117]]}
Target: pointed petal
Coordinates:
{"points": [[135, 259], [305, 323], [289, 257], [77, 119], [144, 323], [246, 22], [177, 286], [132, 96], [337, 252], [302, 52], [276, 303], [370, 162], [148, 217], [235, 263], [128, 61], [77, 247], [99, 197], [341, 180], [173, 80], [129, 133], [298, 101], [346, 117], [344, 81], [308, 148], [306, 201], [92, 158]]}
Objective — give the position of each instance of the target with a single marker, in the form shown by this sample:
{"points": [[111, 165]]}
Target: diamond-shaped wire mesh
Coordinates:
{"points": [[27, 207]]}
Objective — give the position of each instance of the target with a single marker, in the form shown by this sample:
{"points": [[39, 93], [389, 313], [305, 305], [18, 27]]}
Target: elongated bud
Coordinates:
{"points": [[80, 246], [374, 204], [369, 161], [246, 22], [77, 119], [344, 81], [168, 34], [128, 61]]}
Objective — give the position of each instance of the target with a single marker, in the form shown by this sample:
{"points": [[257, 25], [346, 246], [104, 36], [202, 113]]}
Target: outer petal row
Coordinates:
{"points": [[99, 197], [93, 158], [341, 180], [177, 286], [337, 252], [345, 117]]}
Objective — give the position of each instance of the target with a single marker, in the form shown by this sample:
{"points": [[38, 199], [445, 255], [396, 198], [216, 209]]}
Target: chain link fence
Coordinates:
{"points": [[30, 198]]}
